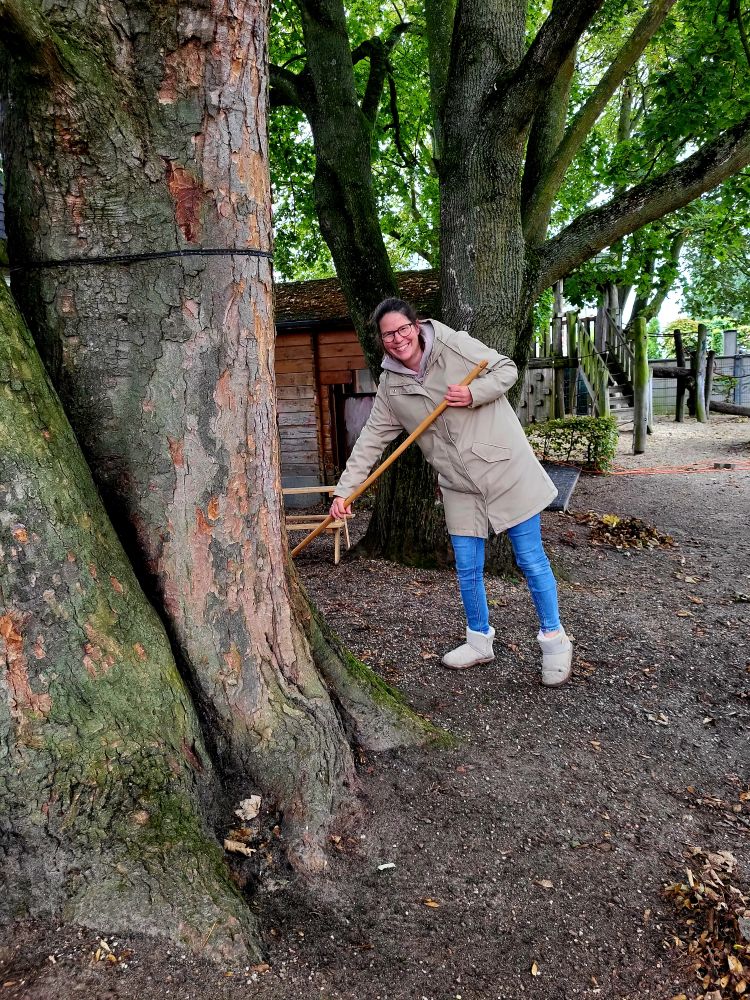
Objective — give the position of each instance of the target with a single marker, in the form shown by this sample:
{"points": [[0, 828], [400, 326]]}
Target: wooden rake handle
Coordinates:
{"points": [[430, 419]]}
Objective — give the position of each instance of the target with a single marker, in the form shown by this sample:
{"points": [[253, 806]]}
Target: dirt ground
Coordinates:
{"points": [[529, 861]]}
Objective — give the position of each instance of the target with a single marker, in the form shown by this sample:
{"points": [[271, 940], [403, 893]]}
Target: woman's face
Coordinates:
{"points": [[401, 339]]}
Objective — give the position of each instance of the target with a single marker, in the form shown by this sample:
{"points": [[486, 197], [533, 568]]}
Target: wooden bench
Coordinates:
{"points": [[308, 522]]}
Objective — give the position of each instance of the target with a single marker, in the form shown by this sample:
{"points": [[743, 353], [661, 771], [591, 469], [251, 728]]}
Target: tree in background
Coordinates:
{"points": [[516, 92], [138, 208]]}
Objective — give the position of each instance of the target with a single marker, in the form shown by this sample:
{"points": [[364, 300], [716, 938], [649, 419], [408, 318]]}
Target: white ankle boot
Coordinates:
{"points": [[557, 658], [476, 649]]}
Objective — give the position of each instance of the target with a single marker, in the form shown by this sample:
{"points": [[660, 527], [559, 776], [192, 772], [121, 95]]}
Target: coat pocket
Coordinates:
{"points": [[491, 452]]}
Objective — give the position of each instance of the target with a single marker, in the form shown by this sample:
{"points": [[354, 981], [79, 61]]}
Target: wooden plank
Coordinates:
{"points": [[341, 350], [309, 471], [343, 377], [305, 436], [293, 339], [295, 378], [284, 353], [296, 405], [345, 363], [297, 419], [337, 337], [303, 393], [296, 365]]}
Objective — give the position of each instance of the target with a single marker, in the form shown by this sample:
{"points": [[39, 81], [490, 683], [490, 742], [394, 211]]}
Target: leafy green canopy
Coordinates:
{"points": [[692, 82], [403, 172]]}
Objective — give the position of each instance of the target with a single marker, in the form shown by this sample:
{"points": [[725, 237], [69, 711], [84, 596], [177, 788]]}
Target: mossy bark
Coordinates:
{"points": [[105, 784], [148, 134]]}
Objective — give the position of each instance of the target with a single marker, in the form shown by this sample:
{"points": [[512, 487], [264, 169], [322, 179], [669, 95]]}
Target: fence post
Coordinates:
{"points": [[571, 319], [709, 387], [700, 375], [679, 350], [640, 386], [729, 348], [604, 395], [600, 329]]}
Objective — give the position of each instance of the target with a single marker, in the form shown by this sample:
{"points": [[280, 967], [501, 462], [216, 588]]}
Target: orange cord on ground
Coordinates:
{"points": [[742, 465]]}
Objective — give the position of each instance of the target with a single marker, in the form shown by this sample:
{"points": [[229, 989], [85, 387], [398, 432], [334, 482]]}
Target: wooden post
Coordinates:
{"points": [[600, 329], [604, 408], [700, 375], [679, 413], [546, 342], [558, 394], [710, 363], [572, 325], [640, 386]]}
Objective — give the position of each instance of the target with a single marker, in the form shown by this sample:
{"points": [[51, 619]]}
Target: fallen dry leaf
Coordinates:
{"points": [[237, 847], [682, 613], [535, 971], [735, 965], [432, 903], [545, 883], [695, 600]]}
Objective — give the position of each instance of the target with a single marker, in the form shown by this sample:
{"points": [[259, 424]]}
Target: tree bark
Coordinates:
{"points": [[104, 796], [738, 411], [152, 140]]}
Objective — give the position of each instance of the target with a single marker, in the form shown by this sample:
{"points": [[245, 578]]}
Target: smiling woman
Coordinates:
{"points": [[487, 472]]}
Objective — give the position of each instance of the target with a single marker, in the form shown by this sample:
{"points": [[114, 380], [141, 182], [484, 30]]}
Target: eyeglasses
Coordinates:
{"points": [[389, 337]]}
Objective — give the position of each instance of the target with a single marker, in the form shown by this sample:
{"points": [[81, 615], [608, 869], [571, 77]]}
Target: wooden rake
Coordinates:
{"points": [[430, 419]]}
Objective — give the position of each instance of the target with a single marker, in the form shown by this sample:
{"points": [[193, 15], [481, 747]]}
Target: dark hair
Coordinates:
{"points": [[392, 305]]}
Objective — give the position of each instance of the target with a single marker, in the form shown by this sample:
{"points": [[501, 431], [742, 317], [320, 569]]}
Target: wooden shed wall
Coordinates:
{"points": [[297, 406], [339, 355], [308, 363]]}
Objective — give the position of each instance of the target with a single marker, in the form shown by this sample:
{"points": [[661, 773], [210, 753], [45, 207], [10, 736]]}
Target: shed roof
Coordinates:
{"points": [[321, 301]]}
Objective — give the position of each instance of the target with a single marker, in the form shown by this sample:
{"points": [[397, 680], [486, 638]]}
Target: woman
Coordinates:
{"points": [[487, 472]]}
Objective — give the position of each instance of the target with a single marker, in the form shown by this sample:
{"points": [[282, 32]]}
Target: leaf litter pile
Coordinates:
{"points": [[623, 532], [714, 915]]}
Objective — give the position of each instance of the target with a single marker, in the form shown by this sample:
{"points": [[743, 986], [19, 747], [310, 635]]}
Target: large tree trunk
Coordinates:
{"points": [[145, 135], [105, 785], [482, 245]]}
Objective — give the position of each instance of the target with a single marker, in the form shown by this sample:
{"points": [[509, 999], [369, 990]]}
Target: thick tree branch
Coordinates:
{"points": [[26, 34], [439, 18], [408, 158], [519, 96], [287, 89], [378, 50], [550, 181], [625, 213], [546, 133]]}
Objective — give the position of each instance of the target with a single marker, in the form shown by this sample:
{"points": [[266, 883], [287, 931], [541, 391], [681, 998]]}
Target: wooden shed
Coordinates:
{"points": [[324, 389]]}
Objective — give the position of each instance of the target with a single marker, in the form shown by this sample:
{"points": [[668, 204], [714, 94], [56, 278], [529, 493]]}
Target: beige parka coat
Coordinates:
{"points": [[487, 473]]}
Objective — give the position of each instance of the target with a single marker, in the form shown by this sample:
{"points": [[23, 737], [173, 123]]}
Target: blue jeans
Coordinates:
{"points": [[526, 540]]}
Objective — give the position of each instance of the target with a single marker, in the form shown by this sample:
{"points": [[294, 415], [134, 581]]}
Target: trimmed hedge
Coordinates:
{"points": [[589, 441]]}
